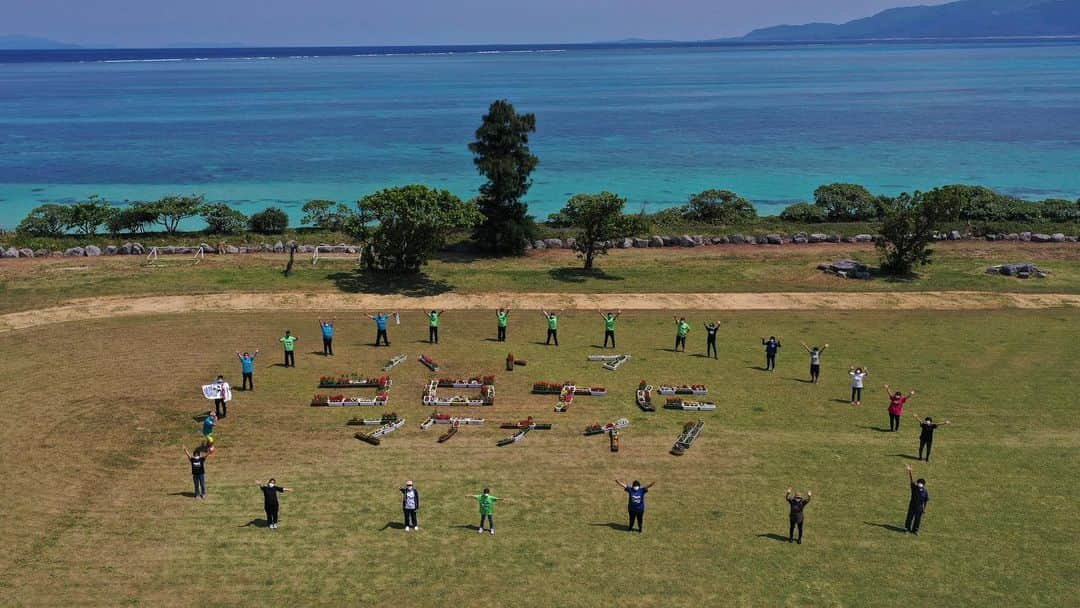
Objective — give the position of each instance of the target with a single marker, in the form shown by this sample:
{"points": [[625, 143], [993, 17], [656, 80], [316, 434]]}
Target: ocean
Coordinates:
{"points": [[655, 123]]}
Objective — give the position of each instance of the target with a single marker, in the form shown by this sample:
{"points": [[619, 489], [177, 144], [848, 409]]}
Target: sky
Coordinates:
{"points": [[141, 23]]}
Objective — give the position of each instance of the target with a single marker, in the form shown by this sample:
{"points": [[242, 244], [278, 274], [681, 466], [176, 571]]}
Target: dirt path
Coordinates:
{"points": [[99, 308]]}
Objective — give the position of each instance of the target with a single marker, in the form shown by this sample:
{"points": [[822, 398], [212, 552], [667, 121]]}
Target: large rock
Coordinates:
{"points": [[569, 243], [737, 239], [864, 238], [954, 235], [670, 241], [1039, 237], [125, 249], [74, 252], [553, 243], [833, 238], [719, 240], [818, 237], [10, 252], [626, 243], [1025, 236], [640, 243], [111, 250], [279, 247], [774, 239], [752, 240], [206, 248], [92, 250], [26, 252], [700, 240], [1012, 236], [848, 269], [538, 244], [1058, 237], [138, 249], [43, 253], [656, 241], [232, 249], [686, 241]]}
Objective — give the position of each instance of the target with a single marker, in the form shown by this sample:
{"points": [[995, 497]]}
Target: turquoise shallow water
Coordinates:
{"points": [[654, 125]]}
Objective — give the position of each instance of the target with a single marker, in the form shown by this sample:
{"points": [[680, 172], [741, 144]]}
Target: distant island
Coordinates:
{"points": [[963, 19], [32, 43]]}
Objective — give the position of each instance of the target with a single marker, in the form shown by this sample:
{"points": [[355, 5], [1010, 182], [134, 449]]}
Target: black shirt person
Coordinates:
{"points": [[926, 434], [710, 338], [917, 504], [198, 471], [795, 517], [270, 501]]}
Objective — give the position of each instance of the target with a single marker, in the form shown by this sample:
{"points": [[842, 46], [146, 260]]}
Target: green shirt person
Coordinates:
{"points": [[288, 341], [487, 510], [433, 326], [681, 329], [553, 326], [503, 315], [609, 326]]}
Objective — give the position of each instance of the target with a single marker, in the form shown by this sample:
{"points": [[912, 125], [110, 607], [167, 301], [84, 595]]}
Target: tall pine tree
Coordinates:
{"points": [[501, 154]]}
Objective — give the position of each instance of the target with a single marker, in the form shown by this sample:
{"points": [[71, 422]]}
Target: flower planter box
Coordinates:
{"points": [[691, 431], [693, 389], [690, 406], [644, 398], [394, 362]]}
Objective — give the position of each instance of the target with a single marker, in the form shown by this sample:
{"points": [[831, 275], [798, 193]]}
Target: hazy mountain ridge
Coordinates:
{"points": [[963, 19]]}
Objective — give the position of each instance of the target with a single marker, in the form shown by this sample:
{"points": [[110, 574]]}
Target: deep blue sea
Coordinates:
{"points": [[259, 127]]}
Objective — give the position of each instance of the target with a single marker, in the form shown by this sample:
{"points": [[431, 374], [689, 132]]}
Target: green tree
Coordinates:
{"points": [[803, 213], [719, 207], [223, 219], [412, 222], [501, 154], [49, 220], [131, 219], [847, 202], [907, 229], [598, 218], [86, 216], [171, 210], [271, 220], [327, 215]]}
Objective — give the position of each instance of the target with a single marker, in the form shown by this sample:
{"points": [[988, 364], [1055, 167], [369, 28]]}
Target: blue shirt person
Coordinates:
{"points": [[635, 502]]}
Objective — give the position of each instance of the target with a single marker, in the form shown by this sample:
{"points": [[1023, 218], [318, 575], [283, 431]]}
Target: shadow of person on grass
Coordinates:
{"points": [[257, 522], [393, 525], [613, 526], [184, 494], [469, 527], [580, 275], [907, 456], [411, 285], [876, 428], [889, 527], [782, 539]]}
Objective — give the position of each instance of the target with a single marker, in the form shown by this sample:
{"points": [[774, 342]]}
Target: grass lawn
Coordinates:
{"points": [[959, 266], [98, 511]]}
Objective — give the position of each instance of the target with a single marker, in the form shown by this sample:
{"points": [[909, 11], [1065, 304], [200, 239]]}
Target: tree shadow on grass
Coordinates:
{"points": [[580, 275], [782, 539], [889, 527], [413, 285], [613, 526]]}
